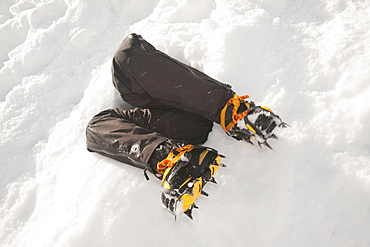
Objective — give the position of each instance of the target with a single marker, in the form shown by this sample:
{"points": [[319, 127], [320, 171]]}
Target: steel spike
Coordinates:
{"points": [[204, 193], [259, 144], [264, 143], [249, 141], [273, 136], [213, 180], [267, 145], [284, 125], [189, 213]]}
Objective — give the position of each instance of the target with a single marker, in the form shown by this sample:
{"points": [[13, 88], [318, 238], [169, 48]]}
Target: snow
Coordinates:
{"points": [[307, 60]]}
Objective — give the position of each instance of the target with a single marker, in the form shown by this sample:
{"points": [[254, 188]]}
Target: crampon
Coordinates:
{"points": [[244, 120], [186, 171]]}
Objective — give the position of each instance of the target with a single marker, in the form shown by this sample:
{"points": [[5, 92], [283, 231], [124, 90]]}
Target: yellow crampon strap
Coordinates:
{"points": [[171, 159], [235, 117]]}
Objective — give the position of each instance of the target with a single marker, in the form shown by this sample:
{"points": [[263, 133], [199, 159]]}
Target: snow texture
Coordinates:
{"points": [[307, 60]]}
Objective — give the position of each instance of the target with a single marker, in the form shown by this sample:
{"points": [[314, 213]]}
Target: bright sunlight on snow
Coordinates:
{"points": [[307, 60]]}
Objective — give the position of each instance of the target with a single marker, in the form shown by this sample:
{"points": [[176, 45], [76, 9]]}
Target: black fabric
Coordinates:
{"points": [[111, 134], [172, 123], [149, 78], [177, 104]]}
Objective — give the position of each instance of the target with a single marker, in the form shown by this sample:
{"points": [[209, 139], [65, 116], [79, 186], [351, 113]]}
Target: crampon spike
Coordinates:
{"points": [[273, 136], [249, 141], [204, 193], [267, 145], [284, 125], [195, 206], [189, 213], [259, 144], [264, 143], [213, 180], [223, 165]]}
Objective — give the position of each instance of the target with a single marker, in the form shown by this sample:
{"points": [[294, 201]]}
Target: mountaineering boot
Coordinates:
{"points": [[243, 120], [185, 172]]}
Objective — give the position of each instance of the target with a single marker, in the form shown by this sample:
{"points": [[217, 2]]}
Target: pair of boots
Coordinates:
{"points": [[187, 168]]}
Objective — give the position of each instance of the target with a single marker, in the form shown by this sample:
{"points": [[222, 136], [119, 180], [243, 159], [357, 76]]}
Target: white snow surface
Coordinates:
{"points": [[307, 60]]}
